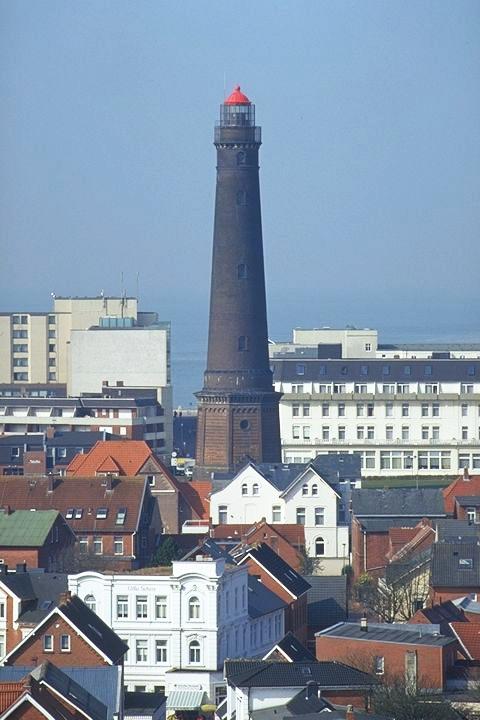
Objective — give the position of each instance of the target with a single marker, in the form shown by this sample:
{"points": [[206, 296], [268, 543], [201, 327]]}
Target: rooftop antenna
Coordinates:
{"points": [[138, 287], [122, 295], [224, 83]]}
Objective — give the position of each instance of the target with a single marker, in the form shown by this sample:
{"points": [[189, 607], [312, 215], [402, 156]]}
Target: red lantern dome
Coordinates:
{"points": [[237, 98]]}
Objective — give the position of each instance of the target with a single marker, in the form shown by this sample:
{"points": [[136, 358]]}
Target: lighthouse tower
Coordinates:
{"points": [[238, 407]]}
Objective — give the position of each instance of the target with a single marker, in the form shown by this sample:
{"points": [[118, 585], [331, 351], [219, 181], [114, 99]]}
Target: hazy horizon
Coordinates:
{"points": [[370, 168]]}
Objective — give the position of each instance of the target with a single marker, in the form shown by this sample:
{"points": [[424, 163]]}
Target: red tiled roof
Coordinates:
{"points": [[108, 466], [400, 536], [196, 494], [468, 635], [423, 538], [88, 494], [462, 486], [124, 456], [292, 533], [9, 692], [76, 462]]}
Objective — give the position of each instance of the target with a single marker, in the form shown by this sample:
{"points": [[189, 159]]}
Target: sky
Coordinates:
{"points": [[370, 167]]}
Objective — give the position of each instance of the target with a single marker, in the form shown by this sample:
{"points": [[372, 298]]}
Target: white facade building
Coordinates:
{"points": [[406, 417], [284, 495], [353, 342], [181, 626]]}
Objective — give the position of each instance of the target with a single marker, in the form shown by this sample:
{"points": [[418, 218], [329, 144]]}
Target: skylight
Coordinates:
{"points": [[102, 513], [69, 513], [78, 513], [465, 564]]}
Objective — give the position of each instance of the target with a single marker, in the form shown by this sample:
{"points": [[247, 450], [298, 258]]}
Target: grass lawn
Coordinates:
{"points": [[406, 482]]}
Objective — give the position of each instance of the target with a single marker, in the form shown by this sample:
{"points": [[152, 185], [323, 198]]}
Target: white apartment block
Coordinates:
{"points": [[282, 494], [406, 417], [181, 623], [34, 346], [86, 343]]}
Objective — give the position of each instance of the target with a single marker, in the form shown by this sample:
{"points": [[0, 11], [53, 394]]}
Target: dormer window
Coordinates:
{"points": [[121, 516]]}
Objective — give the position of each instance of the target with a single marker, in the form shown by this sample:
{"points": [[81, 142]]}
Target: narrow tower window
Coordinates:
{"points": [[242, 271], [241, 197], [243, 342], [241, 158]]}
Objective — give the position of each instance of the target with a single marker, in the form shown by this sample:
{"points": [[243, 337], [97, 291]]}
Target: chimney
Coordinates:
{"points": [[27, 684], [349, 715], [50, 432], [466, 476], [64, 597], [51, 483], [311, 689], [21, 567], [3, 569], [364, 624], [109, 482]]}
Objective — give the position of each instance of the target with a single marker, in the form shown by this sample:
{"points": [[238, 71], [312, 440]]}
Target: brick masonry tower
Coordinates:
{"points": [[238, 407]]}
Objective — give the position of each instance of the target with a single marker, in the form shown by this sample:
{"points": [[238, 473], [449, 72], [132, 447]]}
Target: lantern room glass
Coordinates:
{"points": [[237, 115]]}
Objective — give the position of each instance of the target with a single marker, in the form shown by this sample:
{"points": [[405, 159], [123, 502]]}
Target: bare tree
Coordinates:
{"points": [[397, 699], [397, 596]]}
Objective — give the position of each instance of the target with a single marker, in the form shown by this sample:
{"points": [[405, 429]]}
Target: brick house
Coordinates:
{"points": [[132, 458], [470, 606], [193, 505], [464, 486], [40, 539], [409, 652], [26, 597], [47, 692], [468, 636], [288, 541], [442, 615], [376, 512], [71, 634], [281, 579], [455, 570], [114, 519]]}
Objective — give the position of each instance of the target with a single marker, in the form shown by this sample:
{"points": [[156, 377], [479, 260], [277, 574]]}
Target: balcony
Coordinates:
{"points": [[383, 442], [196, 526]]}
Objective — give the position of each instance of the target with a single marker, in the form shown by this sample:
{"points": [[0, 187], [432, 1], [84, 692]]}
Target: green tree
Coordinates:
{"points": [[166, 553]]}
